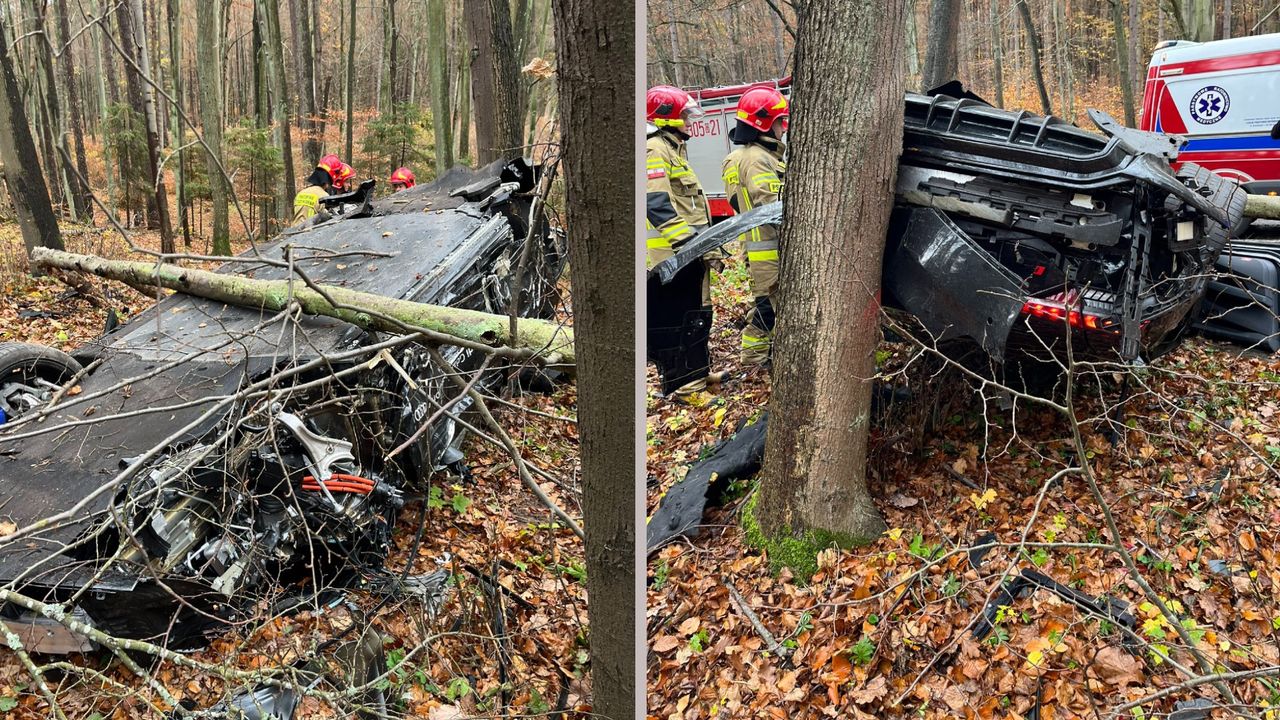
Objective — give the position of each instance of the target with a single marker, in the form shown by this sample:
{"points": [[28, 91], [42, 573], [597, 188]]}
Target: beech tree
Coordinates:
{"points": [[495, 80], [845, 139]]}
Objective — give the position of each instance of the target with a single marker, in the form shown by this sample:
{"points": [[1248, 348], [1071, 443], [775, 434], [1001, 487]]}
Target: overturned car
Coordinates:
{"points": [[1013, 234], [215, 457]]}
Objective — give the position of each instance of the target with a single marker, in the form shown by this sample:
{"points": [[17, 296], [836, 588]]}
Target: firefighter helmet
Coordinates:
{"points": [[667, 106], [760, 107], [345, 173], [403, 176], [330, 164]]}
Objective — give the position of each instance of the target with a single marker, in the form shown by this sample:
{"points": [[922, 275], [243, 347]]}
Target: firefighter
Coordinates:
{"points": [[402, 179], [342, 181], [319, 184], [753, 176], [676, 207]]}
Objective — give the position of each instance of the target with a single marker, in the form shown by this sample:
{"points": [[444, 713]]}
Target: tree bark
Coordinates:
{"points": [[940, 62], [846, 133], [438, 61], [351, 77], [1122, 60], [594, 38], [390, 42], [142, 97], [464, 106], [495, 80], [306, 61], [209, 37], [1200, 17], [75, 114], [997, 53], [1033, 40], [175, 65], [18, 154], [281, 124], [543, 336]]}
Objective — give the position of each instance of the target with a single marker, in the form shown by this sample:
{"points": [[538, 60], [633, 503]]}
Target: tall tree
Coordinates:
{"points": [[594, 38], [390, 62], [1122, 61], [464, 105], [306, 62], [137, 55], [1200, 19], [1033, 41], [941, 61], [280, 128], [75, 113], [997, 53], [209, 35], [438, 62], [18, 153], [351, 78], [495, 80], [175, 65], [846, 133]]}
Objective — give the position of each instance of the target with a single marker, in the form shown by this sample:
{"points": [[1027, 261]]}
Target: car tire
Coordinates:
{"points": [[27, 363]]}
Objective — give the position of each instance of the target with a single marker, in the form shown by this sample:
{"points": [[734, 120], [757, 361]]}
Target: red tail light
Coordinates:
{"points": [[1055, 311]]}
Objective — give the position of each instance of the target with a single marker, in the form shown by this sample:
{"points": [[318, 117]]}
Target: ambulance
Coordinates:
{"points": [[1224, 98]]}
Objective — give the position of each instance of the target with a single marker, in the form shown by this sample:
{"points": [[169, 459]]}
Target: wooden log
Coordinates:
{"points": [[1266, 207], [548, 340]]}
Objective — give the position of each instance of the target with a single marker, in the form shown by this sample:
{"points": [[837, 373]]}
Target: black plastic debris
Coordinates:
{"points": [[1029, 581], [680, 510], [1242, 304], [1197, 709]]}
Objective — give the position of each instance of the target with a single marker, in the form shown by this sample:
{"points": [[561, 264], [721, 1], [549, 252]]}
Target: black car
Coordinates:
{"points": [[216, 456], [1012, 233]]}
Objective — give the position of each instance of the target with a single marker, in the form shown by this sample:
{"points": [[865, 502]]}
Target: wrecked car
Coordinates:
{"points": [[212, 457], [1014, 234]]}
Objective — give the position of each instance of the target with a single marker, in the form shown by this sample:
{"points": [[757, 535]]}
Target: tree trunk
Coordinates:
{"points": [[545, 336], [594, 38], [351, 76], [75, 115], [1226, 19], [495, 80], [464, 106], [1122, 60], [209, 35], [137, 72], [175, 65], [1199, 17], [306, 61], [997, 53], [913, 44], [21, 171], [438, 61], [105, 75], [281, 125], [846, 133], [390, 63], [1033, 40], [940, 62]]}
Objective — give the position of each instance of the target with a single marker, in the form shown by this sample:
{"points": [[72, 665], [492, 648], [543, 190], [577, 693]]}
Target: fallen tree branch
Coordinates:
{"points": [[774, 646], [1266, 207], [551, 340]]}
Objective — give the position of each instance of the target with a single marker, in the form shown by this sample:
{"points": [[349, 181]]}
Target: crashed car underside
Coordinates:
{"points": [[1015, 233], [218, 457]]}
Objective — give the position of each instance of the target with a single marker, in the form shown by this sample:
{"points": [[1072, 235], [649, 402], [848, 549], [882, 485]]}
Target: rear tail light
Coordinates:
{"points": [[1056, 311]]}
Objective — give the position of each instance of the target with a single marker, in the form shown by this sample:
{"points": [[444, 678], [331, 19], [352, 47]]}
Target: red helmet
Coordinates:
{"points": [[667, 106], [330, 164], [759, 107], [403, 176], [345, 172]]}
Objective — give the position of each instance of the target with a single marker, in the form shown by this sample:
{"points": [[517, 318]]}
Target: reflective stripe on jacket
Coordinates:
{"points": [[753, 176], [675, 205], [306, 202]]}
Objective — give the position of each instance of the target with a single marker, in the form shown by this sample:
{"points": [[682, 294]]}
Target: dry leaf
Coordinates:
{"points": [[690, 625], [870, 692], [899, 500], [1117, 667], [538, 68], [666, 643]]}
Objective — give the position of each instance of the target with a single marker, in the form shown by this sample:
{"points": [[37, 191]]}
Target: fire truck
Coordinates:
{"points": [[709, 137], [1224, 98]]}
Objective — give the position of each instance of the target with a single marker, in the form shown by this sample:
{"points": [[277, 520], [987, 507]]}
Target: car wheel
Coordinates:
{"points": [[30, 375]]}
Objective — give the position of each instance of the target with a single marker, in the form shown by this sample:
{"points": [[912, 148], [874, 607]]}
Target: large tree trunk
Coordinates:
{"points": [[137, 72], [438, 62], [18, 154], [464, 106], [593, 39], [179, 134], [846, 133], [1033, 39], [209, 34], [75, 115], [940, 63], [495, 80], [390, 43], [1200, 20], [280, 128], [542, 336], [1122, 60]]}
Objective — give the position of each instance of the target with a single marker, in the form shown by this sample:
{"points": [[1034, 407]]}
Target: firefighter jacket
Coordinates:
{"points": [[676, 206], [306, 202], [753, 176]]}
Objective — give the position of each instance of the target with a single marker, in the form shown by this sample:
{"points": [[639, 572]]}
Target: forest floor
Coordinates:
{"points": [[489, 525], [888, 630]]}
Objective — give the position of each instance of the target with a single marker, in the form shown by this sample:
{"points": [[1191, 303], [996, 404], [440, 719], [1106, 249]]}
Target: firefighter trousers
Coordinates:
{"points": [[757, 336]]}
